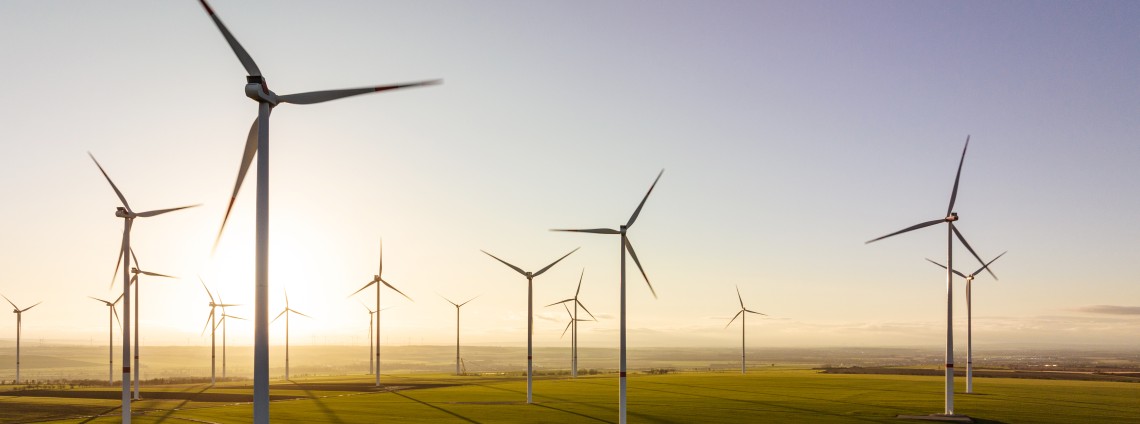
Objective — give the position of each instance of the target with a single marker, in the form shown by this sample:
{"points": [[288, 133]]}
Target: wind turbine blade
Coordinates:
{"points": [[10, 302], [637, 211], [117, 299], [118, 262], [234, 317], [567, 308], [105, 302], [734, 318], [587, 310], [162, 211], [397, 290], [559, 302], [567, 328], [155, 274], [910, 228], [370, 311], [754, 312], [327, 95], [552, 263], [971, 249], [370, 283], [448, 300], [468, 301], [117, 192], [579, 289], [739, 298], [987, 265], [299, 313], [632, 254], [279, 315], [944, 267], [204, 327], [30, 307], [517, 269], [380, 270], [246, 160], [242, 55], [591, 230], [286, 298], [116, 314], [206, 289], [958, 176], [223, 305]]}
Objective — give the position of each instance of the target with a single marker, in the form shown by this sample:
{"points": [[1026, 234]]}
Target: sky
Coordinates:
{"points": [[789, 134]]}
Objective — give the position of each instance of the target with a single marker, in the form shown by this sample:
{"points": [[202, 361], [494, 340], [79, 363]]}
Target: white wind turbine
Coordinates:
{"points": [[574, 320], [970, 319], [378, 280], [286, 312], [222, 322], [625, 246], [742, 315], [111, 313], [530, 317], [371, 315], [212, 323], [128, 216], [138, 300], [573, 323], [457, 306], [951, 232], [19, 326], [257, 142]]}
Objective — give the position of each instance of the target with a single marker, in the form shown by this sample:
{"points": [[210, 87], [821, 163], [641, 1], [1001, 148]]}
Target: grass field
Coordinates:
{"points": [[765, 394]]}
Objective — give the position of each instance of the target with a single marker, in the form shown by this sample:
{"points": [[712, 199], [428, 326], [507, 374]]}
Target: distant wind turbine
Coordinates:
{"points": [[138, 300], [378, 280], [110, 336], [128, 216], [951, 232], [212, 323], [286, 313], [574, 320], [258, 143], [625, 246], [742, 314], [19, 326], [457, 306], [530, 317], [573, 323], [970, 319], [225, 317]]}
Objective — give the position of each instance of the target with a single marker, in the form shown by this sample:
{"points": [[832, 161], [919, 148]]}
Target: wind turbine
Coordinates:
{"points": [[625, 246], [223, 324], [574, 320], [138, 300], [110, 336], [210, 322], [128, 216], [286, 312], [970, 319], [258, 142], [951, 232], [530, 317], [378, 280], [371, 316], [741, 315], [19, 325], [573, 338], [457, 306]]}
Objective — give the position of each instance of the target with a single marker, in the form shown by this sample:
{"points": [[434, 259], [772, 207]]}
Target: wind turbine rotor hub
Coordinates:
{"points": [[121, 212], [953, 217]]}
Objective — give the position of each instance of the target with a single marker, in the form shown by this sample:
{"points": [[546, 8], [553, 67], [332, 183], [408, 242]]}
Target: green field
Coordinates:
{"points": [[765, 394]]}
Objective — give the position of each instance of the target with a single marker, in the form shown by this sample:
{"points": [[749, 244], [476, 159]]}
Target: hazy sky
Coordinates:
{"points": [[790, 133]]}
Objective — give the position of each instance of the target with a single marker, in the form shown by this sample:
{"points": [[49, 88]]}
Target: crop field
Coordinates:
{"points": [[770, 394]]}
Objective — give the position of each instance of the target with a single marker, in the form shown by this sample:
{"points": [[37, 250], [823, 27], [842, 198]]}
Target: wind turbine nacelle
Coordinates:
{"points": [[257, 90], [121, 212], [953, 217]]}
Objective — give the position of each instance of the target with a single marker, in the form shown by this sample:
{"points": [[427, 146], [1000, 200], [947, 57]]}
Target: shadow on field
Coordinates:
{"points": [[434, 407], [93, 417], [115, 395], [186, 400], [768, 404], [330, 416], [574, 413]]}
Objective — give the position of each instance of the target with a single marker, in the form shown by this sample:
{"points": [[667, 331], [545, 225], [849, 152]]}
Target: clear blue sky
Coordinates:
{"points": [[791, 132]]}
